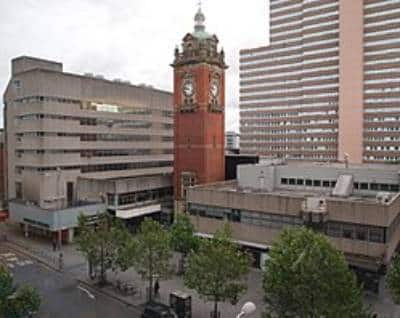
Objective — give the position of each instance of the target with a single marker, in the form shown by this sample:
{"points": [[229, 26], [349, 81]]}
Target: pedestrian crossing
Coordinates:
{"points": [[11, 260]]}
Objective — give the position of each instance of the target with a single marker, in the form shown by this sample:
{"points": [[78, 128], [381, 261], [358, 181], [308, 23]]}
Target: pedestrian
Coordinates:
{"points": [[156, 288], [54, 243], [60, 262]]}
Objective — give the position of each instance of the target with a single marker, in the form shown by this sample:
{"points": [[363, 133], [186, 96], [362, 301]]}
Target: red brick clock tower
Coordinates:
{"points": [[199, 105]]}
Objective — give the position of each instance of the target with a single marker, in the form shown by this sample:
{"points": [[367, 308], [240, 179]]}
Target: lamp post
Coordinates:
{"points": [[247, 309]]}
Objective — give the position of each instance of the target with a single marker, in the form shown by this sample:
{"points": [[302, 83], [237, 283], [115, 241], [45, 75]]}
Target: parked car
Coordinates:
{"points": [[158, 310]]}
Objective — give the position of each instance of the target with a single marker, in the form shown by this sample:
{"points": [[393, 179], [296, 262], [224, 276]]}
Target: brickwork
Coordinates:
{"points": [[199, 112]]}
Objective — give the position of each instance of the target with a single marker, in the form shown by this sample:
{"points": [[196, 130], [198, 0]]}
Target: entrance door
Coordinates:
{"points": [[70, 193]]}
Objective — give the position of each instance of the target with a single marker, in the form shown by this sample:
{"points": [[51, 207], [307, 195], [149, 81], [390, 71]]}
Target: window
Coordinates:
{"points": [[326, 184], [317, 183], [334, 229], [309, 182], [355, 185], [364, 186], [374, 186], [376, 235], [300, 182], [187, 180], [361, 233], [292, 181], [384, 187], [284, 181], [348, 231]]}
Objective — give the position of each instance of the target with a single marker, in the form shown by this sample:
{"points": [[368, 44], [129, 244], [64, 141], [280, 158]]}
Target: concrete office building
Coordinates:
{"points": [[81, 144], [357, 207], [328, 85]]}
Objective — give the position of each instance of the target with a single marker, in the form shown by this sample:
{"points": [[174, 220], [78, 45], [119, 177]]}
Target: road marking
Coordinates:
{"points": [[90, 295], [13, 260]]}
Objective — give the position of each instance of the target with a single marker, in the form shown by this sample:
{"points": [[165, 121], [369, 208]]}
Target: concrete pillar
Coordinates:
{"points": [[26, 230], [70, 235], [59, 239], [116, 200]]}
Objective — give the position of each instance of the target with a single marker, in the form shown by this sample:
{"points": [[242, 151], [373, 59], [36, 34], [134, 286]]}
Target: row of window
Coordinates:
{"points": [[94, 106], [331, 184], [249, 137], [278, 221], [248, 217], [140, 196], [356, 232], [85, 121], [98, 153], [101, 168]]}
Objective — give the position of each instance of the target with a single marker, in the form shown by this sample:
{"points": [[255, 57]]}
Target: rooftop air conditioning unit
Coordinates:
{"points": [[383, 197]]}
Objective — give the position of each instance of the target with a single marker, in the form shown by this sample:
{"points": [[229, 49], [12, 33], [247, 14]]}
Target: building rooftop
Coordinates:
{"points": [[369, 183]]}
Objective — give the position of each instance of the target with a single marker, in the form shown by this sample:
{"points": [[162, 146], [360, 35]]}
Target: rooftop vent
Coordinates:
{"points": [[89, 74], [383, 197], [344, 186]]}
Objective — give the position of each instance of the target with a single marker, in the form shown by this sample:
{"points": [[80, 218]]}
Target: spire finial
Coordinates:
{"points": [[199, 19]]}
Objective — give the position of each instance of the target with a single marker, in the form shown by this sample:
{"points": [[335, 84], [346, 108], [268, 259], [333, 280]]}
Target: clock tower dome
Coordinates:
{"points": [[199, 107]]}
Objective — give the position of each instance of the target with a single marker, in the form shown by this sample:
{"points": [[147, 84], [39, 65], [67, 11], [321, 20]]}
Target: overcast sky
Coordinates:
{"points": [[129, 39]]}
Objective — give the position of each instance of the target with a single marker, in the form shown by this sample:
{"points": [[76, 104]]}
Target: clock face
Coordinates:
{"points": [[214, 89], [188, 88]]}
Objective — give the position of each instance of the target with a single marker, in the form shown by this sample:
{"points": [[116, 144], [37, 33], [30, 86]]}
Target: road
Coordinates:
{"points": [[62, 296]]}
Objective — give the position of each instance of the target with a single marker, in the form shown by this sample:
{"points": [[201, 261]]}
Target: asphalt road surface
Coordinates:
{"points": [[62, 296]]}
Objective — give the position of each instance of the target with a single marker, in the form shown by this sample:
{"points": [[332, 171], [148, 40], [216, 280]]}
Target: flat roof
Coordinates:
{"points": [[233, 187], [335, 164]]}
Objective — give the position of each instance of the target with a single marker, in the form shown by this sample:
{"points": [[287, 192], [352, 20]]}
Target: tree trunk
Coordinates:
{"points": [[102, 271], [215, 309], [150, 277], [151, 287]]}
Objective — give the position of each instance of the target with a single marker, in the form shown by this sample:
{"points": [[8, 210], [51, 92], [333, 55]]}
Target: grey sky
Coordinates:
{"points": [[128, 39]]}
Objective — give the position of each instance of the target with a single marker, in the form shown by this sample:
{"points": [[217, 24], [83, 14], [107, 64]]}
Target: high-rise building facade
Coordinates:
{"points": [[199, 106], [328, 86], [76, 142]]}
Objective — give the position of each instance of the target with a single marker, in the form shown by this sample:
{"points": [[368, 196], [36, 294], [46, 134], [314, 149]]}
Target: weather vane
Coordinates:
{"points": [[199, 3]]}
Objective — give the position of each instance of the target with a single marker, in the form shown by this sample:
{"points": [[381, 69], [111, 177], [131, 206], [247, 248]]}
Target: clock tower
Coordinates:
{"points": [[199, 106]]}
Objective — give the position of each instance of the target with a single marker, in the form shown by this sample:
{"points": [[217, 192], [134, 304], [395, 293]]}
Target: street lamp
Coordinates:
{"points": [[247, 309]]}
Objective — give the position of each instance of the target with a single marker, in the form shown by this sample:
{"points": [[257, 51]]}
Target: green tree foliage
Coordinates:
{"points": [[102, 240], [217, 271], [152, 252], [307, 277], [182, 238], [393, 279], [16, 303], [6, 287]]}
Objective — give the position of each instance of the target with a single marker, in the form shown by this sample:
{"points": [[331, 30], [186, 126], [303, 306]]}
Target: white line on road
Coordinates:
{"points": [[90, 295]]}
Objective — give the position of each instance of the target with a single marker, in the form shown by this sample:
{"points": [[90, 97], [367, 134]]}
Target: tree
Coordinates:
{"points": [[393, 279], [101, 240], [6, 287], [152, 252], [307, 277], [182, 238], [218, 269], [16, 303]]}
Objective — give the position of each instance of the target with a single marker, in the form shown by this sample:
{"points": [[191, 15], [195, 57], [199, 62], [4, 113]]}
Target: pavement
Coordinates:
{"points": [[75, 270]]}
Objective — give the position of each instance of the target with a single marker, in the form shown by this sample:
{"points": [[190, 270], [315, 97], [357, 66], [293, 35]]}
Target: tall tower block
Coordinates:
{"points": [[199, 106]]}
